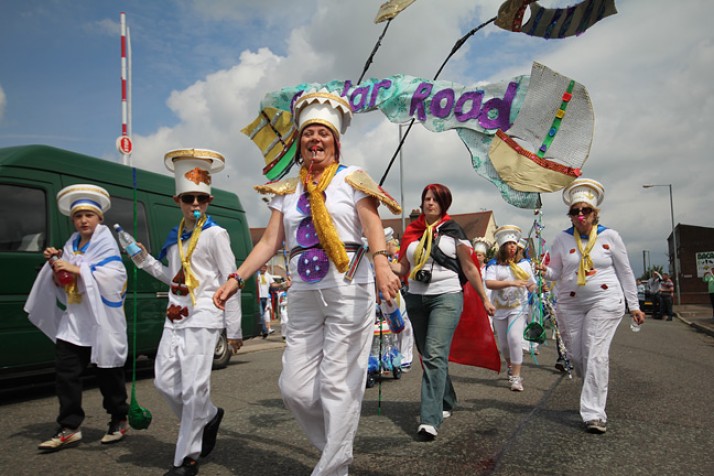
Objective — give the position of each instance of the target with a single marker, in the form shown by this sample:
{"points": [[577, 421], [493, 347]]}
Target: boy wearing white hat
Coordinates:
{"points": [[199, 259], [509, 281], [92, 326]]}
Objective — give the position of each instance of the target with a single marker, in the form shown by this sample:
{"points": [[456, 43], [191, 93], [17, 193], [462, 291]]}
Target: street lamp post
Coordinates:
{"points": [[674, 238]]}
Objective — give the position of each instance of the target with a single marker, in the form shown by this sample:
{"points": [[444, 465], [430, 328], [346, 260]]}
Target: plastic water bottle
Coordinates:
{"points": [[634, 325], [128, 244], [63, 277], [393, 315]]}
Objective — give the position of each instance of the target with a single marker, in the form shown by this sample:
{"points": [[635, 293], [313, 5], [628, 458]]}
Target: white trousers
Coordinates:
{"points": [[325, 368], [508, 325], [183, 376], [587, 334]]}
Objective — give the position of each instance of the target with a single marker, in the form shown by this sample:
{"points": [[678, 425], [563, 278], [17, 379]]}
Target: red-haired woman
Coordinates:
{"points": [[436, 255]]}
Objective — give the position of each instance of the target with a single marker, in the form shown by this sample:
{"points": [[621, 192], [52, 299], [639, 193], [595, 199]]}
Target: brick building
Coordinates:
{"points": [[691, 240]]}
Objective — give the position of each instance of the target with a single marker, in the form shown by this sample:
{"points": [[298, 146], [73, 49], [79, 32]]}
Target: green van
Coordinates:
{"points": [[30, 177]]}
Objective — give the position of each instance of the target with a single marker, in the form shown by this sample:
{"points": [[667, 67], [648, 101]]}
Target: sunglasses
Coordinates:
{"points": [[188, 199], [577, 211]]}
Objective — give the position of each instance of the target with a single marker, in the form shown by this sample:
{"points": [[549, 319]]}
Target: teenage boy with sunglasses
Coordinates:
{"points": [[199, 260]]}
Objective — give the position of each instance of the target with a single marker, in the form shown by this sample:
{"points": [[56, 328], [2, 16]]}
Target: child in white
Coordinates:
{"points": [[509, 283]]}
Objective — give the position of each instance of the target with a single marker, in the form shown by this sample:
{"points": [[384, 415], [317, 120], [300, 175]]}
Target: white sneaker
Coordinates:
{"points": [[427, 432], [117, 430], [516, 383], [64, 438], [446, 413]]}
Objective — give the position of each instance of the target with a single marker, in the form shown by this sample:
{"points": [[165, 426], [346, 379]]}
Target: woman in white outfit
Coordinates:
{"points": [[321, 215], [509, 281], [595, 281]]}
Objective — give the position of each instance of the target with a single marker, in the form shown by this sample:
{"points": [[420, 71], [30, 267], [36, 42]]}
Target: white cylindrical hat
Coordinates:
{"points": [[192, 168], [507, 233], [83, 196], [481, 245], [584, 190], [324, 108]]}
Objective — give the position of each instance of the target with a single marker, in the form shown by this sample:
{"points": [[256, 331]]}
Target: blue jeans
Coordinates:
{"points": [[434, 320]]}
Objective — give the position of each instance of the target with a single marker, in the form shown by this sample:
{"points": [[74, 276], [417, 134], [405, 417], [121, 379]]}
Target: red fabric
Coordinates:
{"points": [[474, 343]]}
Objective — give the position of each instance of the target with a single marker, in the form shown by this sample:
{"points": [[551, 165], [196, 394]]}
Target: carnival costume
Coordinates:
{"points": [[595, 281], [332, 297], [91, 326], [199, 261]]}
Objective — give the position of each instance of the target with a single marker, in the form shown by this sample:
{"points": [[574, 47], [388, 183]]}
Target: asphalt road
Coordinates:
{"points": [[659, 411]]}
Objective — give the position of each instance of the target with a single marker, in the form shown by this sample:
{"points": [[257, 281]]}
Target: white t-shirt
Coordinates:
{"points": [[443, 280], [341, 200], [264, 282]]}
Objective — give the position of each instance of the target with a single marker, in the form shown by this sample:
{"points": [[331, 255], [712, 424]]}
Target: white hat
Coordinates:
{"points": [[192, 168], [585, 191], [322, 107], [388, 233], [83, 196], [507, 233], [481, 245]]}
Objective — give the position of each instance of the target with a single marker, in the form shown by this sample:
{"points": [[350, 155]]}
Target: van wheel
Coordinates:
{"points": [[222, 354]]}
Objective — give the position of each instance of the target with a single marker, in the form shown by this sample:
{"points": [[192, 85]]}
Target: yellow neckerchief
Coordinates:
{"points": [[517, 271], [190, 278], [324, 226], [423, 249], [586, 264]]}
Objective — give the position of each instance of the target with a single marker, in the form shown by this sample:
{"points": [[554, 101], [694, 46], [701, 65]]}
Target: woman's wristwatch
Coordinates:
{"points": [[236, 276]]}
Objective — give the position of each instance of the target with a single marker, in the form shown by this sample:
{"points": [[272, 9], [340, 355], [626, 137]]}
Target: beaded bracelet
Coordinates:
{"points": [[236, 276]]}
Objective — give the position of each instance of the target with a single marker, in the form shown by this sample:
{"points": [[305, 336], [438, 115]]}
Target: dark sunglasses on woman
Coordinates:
{"points": [[188, 199], [577, 211]]}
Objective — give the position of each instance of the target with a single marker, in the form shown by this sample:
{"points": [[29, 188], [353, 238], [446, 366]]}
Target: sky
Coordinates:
{"points": [[201, 67]]}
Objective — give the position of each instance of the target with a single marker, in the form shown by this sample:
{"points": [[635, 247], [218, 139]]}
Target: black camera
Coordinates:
{"points": [[423, 276]]}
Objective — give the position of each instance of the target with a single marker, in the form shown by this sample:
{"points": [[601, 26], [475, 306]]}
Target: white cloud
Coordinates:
{"points": [[647, 75]]}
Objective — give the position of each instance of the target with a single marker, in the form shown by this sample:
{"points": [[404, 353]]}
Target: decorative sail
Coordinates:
{"points": [[274, 133], [553, 22], [550, 138]]}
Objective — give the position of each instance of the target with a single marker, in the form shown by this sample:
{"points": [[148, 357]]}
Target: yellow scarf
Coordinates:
{"points": [[423, 250], [518, 272], [586, 264], [190, 278], [324, 226]]}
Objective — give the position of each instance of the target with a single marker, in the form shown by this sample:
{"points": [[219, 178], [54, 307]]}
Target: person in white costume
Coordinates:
{"points": [[510, 281], [595, 281], [481, 246], [321, 215], [199, 259], [92, 326]]}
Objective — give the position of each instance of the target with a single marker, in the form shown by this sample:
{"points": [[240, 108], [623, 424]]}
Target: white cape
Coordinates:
{"points": [[104, 277]]}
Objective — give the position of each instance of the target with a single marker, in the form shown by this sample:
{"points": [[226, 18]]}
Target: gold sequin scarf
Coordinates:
{"points": [[190, 278], [423, 249], [586, 264], [324, 226]]}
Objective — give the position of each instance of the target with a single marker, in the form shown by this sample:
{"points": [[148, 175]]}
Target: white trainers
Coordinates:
{"points": [[117, 430], [64, 438], [516, 383], [446, 414], [427, 432]]}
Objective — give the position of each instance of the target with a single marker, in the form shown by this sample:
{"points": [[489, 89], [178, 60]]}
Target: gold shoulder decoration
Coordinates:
{"points": [[360, 180], [282, 187]]}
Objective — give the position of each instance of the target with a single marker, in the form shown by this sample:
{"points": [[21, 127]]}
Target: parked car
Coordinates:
{"points": [[30, 177]]}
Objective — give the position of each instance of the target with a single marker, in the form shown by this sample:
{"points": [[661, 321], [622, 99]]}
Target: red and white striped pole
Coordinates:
{"points": [[124, 144]]}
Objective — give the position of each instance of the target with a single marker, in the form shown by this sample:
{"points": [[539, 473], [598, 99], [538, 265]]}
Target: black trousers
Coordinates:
{"points": [[71, 360]]}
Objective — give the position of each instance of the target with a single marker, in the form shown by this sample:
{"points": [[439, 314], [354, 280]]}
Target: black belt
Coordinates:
{"points": [[350, 247]]}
